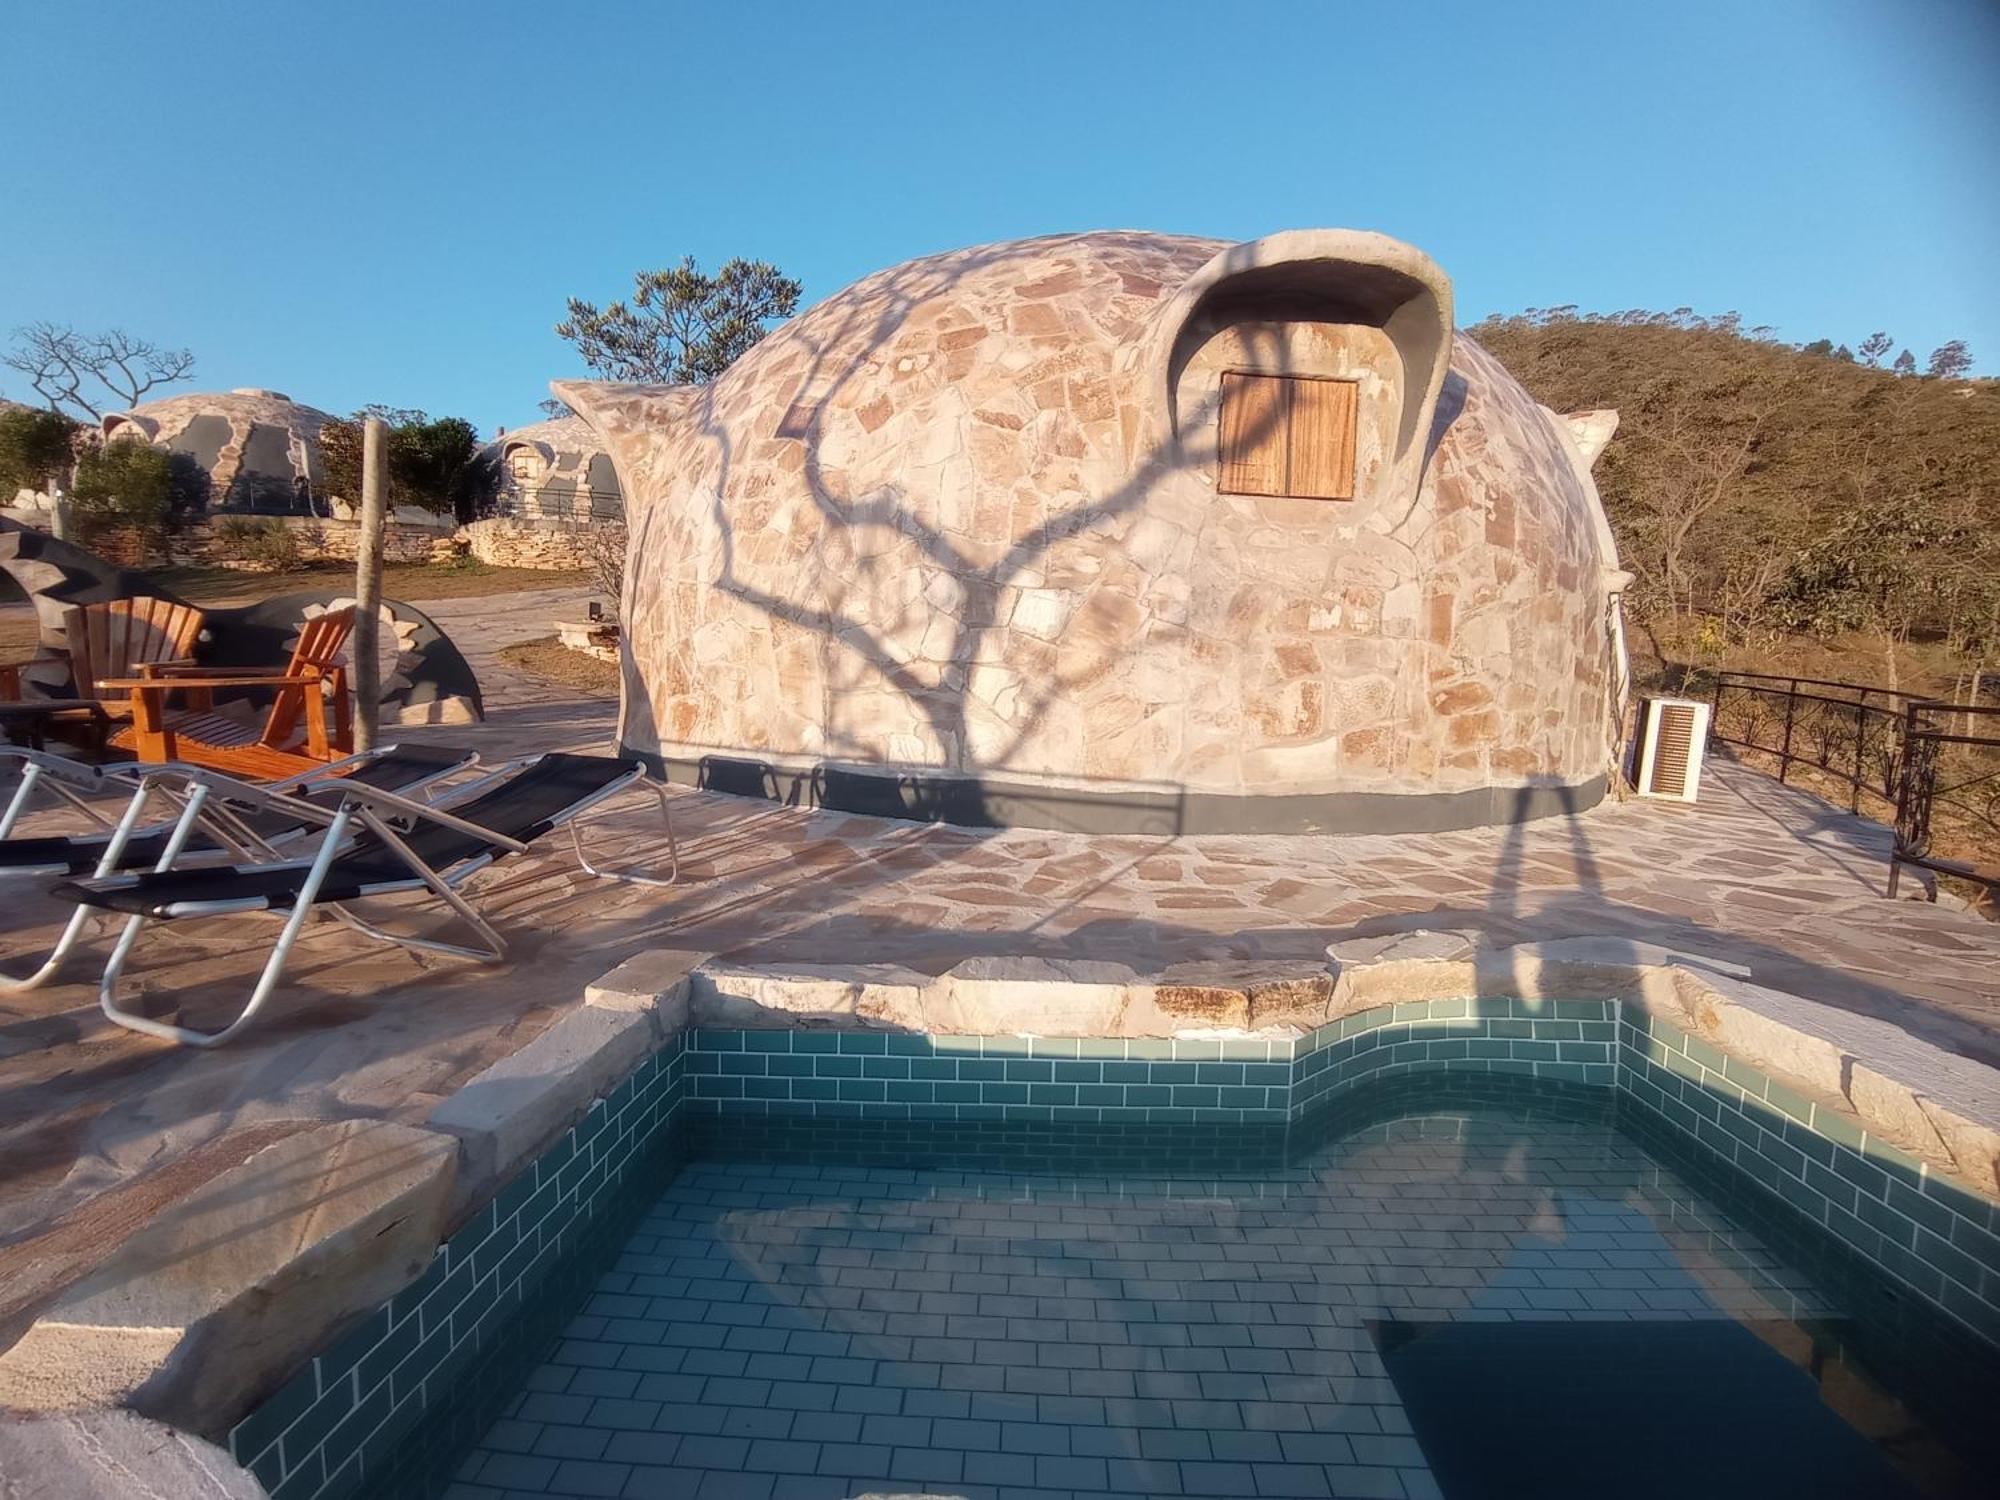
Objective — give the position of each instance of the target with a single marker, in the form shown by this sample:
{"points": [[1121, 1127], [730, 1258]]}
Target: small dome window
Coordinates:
{"points": [[1287, 435]]}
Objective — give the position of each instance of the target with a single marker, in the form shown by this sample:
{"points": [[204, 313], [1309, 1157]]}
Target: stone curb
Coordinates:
{"points": [[114, 1455], [221, 1295], [507, 1115]]}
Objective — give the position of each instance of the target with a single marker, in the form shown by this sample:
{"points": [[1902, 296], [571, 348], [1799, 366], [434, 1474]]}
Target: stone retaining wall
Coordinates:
{"points": [[504, 543], [224, 541]]}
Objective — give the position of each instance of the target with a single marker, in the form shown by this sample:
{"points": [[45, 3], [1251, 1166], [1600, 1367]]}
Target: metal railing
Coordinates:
{"points": [[1958, 774], [1847, 730], [558, 504], [1895, 747]]}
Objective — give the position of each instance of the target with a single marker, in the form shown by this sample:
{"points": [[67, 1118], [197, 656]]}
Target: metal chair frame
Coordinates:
{"points": [[216, 813], [376, 811]]}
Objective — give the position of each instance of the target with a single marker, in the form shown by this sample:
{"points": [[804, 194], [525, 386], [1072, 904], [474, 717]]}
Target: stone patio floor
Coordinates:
{"points": [[99, 1127]]}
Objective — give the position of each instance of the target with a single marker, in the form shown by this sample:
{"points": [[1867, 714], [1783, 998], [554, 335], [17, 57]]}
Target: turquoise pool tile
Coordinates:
{"points": [[1245, 1051], [767, 1041], [1053, 1046], [1030, 1070], [1079, 1072], [909, 1044], [1149, 1049], [815, 1041], [1194, 1049], [864, 1043], [1004, 1046]]}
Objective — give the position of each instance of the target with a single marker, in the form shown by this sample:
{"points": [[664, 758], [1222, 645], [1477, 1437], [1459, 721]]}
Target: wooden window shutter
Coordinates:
{"points": [[1320, 448], [1286, 435], [1253, 434]]}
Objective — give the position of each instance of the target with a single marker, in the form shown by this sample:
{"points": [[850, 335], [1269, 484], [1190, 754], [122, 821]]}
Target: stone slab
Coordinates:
{"points": [[508, 1114], [654, 983], [218, 1296], [114, 1455]]}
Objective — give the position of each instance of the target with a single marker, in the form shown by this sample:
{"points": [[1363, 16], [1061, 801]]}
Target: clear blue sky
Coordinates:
{"points": [[355, 201]]}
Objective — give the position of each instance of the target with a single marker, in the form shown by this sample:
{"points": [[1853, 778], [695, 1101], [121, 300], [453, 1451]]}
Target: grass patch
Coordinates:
{"points": [[550, 660]]}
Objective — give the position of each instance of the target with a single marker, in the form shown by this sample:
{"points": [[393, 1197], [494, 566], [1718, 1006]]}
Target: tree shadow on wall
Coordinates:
{"points": [[960, 615]]}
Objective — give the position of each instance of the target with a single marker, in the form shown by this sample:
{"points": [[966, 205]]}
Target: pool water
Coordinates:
{"points": [[1452, 1292]]}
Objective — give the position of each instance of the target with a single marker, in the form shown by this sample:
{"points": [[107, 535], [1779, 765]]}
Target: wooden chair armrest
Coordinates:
{"points": [[168, 685], [179, 666]]}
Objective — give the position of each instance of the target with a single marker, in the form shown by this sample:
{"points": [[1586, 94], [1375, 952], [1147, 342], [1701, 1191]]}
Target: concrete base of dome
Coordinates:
{"points": [[992, 802]]}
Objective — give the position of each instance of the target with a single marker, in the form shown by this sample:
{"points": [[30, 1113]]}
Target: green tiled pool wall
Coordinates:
{"points": [[1886, 1206], [1566, 1041], [336, 1428], [1067, 1080]]}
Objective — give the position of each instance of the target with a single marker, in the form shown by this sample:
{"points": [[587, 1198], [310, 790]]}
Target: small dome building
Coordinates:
{"points": [[260, 449], [555, 471], [1122, 531]]}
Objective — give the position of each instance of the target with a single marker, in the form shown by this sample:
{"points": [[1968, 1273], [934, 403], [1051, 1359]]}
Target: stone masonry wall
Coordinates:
{"points": [[504, 543], [931, 525], [497, 543]]}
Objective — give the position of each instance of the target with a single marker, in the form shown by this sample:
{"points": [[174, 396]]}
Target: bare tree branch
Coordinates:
{"points": [[65, 366]]}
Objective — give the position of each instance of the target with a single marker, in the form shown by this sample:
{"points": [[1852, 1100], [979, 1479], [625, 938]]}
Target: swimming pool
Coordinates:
{"points": [[1441, 1284]]}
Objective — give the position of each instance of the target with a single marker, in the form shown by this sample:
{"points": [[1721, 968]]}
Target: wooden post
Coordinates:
{"points": [[368, 581]]}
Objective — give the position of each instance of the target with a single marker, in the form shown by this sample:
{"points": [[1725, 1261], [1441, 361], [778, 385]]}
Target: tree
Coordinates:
{"points": [[554, 408], [1823, 348], [1874, 347], [35, 449], [683, 327], [433, 462], [129, 482], [87, 374], [1952, 361], [1906, 363], [1844, 354]]}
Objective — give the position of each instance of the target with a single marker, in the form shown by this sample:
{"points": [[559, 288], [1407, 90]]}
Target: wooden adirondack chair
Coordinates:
{"points": [[295, 735], [115, 639]]}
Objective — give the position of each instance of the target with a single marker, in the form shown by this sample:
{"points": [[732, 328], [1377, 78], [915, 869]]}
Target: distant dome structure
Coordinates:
{"points": [[259, 448], [1128, 531], [556, 470]]}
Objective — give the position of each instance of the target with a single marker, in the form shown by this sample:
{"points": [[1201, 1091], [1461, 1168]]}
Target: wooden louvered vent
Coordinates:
{"points": [[1287, 435], [1670, 752]]}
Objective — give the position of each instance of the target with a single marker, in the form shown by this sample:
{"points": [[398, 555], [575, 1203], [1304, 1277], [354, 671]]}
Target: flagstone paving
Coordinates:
{"points": [[99, 1127]]}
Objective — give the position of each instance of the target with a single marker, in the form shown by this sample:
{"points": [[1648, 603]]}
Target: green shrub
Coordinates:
{"points": [[269, 546], [34, 450]]}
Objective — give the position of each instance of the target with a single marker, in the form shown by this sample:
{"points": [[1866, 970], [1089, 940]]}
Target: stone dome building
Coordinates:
{"points": [[555, 470], [1122, 530], [260, 449]]}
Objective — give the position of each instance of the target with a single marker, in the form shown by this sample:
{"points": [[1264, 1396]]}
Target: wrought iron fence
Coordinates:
{"points": [[1847, 730], [559, 504], [1953, 777], [1895, 748]]}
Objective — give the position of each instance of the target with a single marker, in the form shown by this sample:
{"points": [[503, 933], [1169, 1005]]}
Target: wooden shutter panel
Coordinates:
{"points": [[1253, 435], [1321, 446]]}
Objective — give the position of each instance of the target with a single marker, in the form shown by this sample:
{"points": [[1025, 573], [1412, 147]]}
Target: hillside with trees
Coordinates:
{"points": [[1767, 495]]}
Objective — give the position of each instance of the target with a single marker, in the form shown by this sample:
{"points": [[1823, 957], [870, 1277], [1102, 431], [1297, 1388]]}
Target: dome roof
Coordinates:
{"points": [[968, 516], [557, 435], [161, 420]]}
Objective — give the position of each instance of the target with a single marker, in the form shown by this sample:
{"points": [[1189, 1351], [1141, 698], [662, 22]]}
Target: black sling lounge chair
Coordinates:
{"points": [[437, 849], [237, 818]]}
